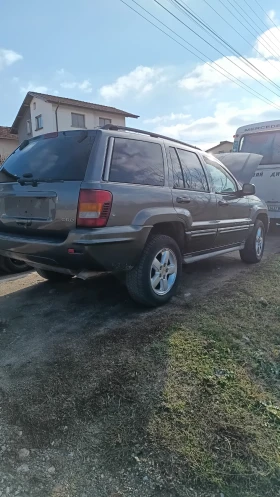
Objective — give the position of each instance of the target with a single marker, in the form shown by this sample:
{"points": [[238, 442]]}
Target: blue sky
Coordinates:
{"points": [[101, 51]]}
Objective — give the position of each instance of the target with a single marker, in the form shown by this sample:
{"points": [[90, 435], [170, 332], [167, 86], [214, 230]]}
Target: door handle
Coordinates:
{"points": [[223, 203], [183, 200]]}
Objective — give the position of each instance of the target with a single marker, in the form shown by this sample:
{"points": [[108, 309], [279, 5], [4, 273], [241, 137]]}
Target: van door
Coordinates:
{"points": [[267, 183], [191, 194]]}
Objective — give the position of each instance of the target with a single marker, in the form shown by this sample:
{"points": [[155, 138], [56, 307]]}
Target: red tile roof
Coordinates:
{"points": [[65, 101], [5, 132]]}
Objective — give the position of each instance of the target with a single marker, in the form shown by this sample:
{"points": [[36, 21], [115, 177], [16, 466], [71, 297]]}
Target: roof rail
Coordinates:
{"points": [[115, 127]]}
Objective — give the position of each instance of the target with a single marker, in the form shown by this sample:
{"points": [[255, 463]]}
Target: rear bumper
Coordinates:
{"points": [[110, 249]]}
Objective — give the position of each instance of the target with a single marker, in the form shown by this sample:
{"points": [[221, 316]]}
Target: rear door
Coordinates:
{"points": [[191, 193], [40, 184], [233, 211]]}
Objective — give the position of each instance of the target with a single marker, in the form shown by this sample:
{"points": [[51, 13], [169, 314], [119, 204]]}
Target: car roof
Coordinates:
{"points": [[124, 131]]}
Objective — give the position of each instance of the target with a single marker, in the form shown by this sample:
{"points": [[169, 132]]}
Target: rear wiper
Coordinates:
{"points": [[35, 181]]}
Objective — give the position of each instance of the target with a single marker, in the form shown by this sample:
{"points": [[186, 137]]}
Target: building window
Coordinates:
{"points": [[28, 126], [103, 121], [39, 122], [34, 105], [78, 120]]}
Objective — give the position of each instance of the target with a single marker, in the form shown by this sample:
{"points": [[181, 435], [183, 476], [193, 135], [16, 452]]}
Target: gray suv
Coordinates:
{"points": [[124, 200]]}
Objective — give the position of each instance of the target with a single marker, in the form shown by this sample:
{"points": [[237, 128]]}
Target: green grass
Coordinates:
{"points": [[181, 402], [219, 414]]}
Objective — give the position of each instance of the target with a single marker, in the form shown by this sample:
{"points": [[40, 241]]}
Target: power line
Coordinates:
{"points": [[239, 34], [212, 46], [262, 21], [258, 33], [190, 13], [235, 80], [267, 15], [247, 29]]}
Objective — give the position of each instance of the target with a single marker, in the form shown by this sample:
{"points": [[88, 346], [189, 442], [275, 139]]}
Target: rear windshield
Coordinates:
{"points": [[52, 157]]}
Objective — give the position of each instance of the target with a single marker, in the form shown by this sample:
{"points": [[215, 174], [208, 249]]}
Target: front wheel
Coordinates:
{"points": [[53, 276], [154, 280], [254, 246]]}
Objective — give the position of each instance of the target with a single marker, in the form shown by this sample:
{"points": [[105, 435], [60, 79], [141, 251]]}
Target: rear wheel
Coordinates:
{"points": [[54, 276], [254, 246], [13, 265], [154, 280]]}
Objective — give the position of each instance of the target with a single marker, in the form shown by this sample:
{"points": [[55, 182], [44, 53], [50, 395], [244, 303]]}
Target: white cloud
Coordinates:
{"points": [[268, 44], [168, 118], [272, 14], [84, 86], [60, 72], [8, 57], [221, 125], [206, 77], [141, 80], [32, 87]]}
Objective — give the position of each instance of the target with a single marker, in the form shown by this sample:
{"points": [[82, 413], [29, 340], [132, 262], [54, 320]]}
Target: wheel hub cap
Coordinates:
{"points": [[259, 241], [163, 271]]}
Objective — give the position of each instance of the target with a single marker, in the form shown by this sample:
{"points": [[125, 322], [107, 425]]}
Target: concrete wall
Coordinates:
{"points": [[47, 110], [38, 107], [91, 117], [6, 148], [22, 129], [221, 148]]}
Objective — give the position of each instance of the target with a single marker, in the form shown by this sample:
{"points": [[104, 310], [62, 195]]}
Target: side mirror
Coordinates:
{"points": [[248, 189]]}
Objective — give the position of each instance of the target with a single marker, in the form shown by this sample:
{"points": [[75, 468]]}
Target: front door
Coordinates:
{"points": [[233, 210], [192, 197]]}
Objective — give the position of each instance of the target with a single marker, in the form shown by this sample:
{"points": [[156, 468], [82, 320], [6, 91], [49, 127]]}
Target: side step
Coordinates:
{"points": [[189, 259]]}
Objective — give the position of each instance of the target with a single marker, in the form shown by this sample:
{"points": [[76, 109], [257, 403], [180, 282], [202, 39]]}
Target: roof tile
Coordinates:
{"points": [[5, 132]]}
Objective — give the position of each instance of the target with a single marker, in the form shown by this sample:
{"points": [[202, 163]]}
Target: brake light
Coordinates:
{"points": [[94, 208]]}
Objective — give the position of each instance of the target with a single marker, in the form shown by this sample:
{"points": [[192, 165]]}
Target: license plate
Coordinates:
{"points": [[27, 207]]}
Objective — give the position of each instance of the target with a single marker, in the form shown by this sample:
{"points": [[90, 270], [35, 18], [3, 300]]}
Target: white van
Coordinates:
{"points": [[263, 139]]}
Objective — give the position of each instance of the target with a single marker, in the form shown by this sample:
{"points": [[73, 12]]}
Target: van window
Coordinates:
{"points": [[264, 143], [138, 162], [52, 157]]}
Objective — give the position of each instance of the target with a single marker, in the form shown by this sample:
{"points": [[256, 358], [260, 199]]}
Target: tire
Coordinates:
{"points": [[254, 246], [12, 265], [138, 280], [54, 276]]}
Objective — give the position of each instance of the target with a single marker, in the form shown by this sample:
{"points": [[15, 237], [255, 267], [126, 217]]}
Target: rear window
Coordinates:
{"points": [[138, 162], [53, 157]]}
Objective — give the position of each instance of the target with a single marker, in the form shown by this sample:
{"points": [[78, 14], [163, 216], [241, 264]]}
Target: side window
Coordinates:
{"points": [[221, 180], [178, 181], [193, 173], [135, 161]]}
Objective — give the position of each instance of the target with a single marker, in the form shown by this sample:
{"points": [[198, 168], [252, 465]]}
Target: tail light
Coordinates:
{"points": [[94, 208]]}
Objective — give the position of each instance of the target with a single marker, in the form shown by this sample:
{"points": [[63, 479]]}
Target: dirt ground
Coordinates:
{"points": [[64, 352]]}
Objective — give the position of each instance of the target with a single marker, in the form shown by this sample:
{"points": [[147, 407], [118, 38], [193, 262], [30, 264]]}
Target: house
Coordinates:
{"points": [[222, 148], [8, 143], [40, 114]]}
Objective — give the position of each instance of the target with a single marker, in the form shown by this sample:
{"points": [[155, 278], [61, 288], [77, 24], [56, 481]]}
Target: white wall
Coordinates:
{"points": [[6, 148], [91, 117], [45, 109]]}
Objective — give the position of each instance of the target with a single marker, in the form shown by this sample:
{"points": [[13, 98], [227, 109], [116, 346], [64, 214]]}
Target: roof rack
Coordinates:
{"points": [[114, 127]]}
